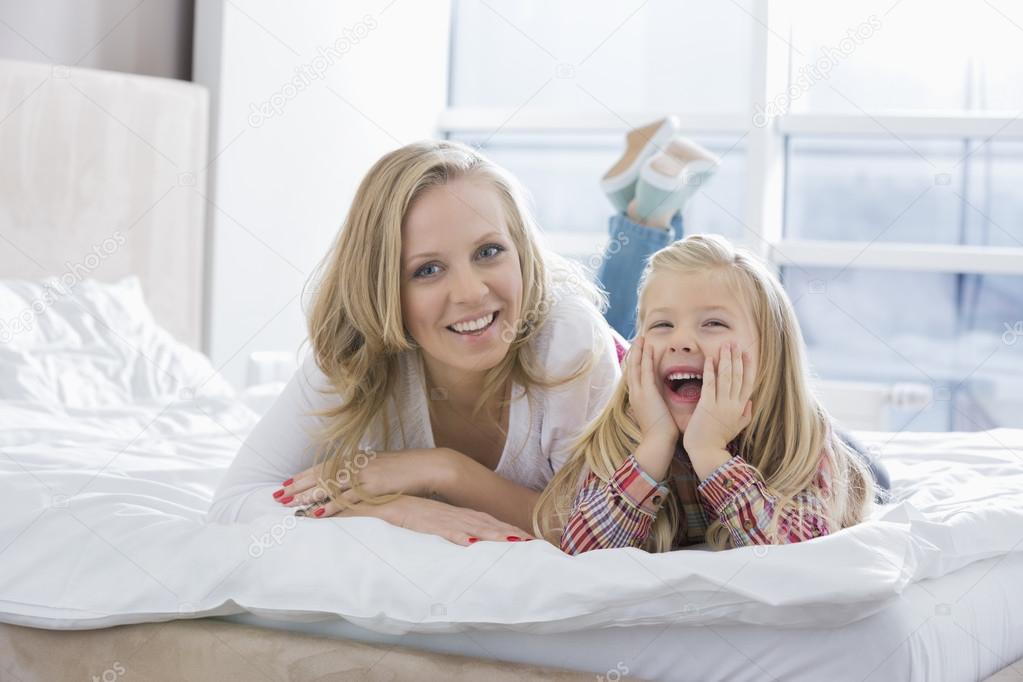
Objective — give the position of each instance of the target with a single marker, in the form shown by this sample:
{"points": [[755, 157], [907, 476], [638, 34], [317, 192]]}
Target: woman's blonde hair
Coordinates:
{"points": [[789, 433], [355, 324]]}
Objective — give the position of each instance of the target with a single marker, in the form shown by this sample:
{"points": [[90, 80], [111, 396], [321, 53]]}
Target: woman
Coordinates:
{"points": [[453, 360]]}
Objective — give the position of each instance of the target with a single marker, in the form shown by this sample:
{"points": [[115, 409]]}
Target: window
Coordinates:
{"points": [[575, 57], [871, 151], [911, 55], [562, 171]]}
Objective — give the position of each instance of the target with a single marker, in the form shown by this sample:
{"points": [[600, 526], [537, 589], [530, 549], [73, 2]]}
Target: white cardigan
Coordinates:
{"points": [[539, 431]]}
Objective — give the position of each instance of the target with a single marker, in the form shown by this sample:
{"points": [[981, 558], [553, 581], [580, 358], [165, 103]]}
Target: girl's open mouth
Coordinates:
{"points": [[684, 387]]}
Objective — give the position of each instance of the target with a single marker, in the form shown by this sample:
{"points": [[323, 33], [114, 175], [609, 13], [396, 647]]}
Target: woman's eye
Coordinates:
{"points": [[423, 271], [492, 249]]}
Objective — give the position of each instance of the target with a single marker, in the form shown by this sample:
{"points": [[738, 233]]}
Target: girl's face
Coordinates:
{"points": [[687, 318], [461, 282]]}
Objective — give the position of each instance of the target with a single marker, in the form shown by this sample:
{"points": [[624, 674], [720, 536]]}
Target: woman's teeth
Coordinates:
{"points": [[473, 326]]}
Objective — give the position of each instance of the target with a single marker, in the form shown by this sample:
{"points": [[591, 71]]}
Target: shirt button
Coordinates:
{"points": [[656, 499], [728, 483]]}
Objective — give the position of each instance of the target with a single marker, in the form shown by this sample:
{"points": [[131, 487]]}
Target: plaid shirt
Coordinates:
{"points": [[621, 511]]}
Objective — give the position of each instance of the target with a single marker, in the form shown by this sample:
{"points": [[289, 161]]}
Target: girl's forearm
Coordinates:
{"points": [[469, 484], [655, 452], [707, 462]]}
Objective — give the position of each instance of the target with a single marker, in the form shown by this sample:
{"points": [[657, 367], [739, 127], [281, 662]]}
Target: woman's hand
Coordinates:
{"points": [[724, 408], [456, 524], [645, 397], [418, 472]]}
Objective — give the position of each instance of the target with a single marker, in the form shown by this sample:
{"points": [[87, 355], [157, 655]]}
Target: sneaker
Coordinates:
{"points": [[686, 150], [619, 183], [669, 179]]}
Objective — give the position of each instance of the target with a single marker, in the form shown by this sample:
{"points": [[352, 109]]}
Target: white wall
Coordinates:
{"points": [[282, 180], [151, 38]]}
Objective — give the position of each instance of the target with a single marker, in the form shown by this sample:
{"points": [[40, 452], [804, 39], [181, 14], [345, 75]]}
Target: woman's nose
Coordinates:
{"points": [[467, 287]]}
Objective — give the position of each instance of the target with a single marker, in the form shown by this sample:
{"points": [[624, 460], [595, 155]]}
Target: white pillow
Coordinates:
{"points": [[92, 345]]}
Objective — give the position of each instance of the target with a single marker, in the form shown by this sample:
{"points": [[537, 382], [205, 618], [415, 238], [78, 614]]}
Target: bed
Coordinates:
{"points": [[114, 432]]}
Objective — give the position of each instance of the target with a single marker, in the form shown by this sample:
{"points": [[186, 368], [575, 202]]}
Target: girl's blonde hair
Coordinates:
{"points": [[355, 324], [789, 433]]}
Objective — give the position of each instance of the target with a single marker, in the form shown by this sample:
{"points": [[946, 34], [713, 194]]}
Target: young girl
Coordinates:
{"points": [[719, 360], [453, 360]]}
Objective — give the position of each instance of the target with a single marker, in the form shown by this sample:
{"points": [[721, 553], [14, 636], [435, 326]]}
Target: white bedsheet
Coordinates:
{"points": [[101, 523]]}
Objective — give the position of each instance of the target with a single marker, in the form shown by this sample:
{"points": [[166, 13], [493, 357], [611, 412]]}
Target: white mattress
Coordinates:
{"points": [[962, 626], [109, 458]]}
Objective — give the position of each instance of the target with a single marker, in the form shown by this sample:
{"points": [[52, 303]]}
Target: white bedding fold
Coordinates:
{"points": [[101, 523]]}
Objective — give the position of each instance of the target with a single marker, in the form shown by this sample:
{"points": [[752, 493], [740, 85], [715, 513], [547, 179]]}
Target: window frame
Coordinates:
{"points": [[766, 160]]}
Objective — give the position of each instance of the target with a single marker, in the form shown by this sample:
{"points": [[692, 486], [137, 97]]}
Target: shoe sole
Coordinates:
{"points": [[639, 144], [680, 174], [685, 150]]}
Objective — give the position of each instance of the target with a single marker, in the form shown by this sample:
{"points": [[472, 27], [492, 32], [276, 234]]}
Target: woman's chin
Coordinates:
{"points": [[483, 361]]}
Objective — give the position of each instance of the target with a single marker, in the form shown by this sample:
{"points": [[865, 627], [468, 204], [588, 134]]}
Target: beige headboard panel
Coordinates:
{"points": [[102, 175]]}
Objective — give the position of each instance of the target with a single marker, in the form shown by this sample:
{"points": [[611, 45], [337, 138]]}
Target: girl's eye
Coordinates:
{"points": [[422, 272], [492, 249], [661, 324], [717, 323]]}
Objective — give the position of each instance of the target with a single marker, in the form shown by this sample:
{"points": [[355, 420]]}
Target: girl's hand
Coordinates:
{"points": [[456, 524], [645, 397], [412, 472], [724, 408]]}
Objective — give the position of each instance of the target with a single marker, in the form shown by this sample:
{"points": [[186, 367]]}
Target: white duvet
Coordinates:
{"points": [[113, 438]]}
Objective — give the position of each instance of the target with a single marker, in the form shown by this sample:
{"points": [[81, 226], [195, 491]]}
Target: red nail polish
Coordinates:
{"points": [[288, 482], [278, 493], [472, 540], [319, 512], [285, 500], [513, 538]]}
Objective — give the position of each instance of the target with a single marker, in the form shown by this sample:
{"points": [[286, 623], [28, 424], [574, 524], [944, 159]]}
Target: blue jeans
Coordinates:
{"points": [[625, 256]]}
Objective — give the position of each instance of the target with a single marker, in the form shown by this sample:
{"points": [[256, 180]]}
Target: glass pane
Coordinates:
{"points": [[576, 55], [879, 55], [562, 173], [870, 189], [994, 214], [961, 335]]}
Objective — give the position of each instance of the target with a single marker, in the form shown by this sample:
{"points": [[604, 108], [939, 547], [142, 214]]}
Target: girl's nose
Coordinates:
{"points": [[683, 345]]}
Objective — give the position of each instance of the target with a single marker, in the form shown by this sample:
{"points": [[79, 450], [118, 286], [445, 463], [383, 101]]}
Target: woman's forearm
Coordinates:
{"points": [[469, 484]]}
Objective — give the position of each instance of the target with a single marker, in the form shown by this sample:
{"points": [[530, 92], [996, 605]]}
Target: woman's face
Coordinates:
{"points": [[461, 282], [687, 318]]}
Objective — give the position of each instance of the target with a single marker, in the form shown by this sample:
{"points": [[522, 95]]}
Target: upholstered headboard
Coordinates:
{"points": [[103, 175]]}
